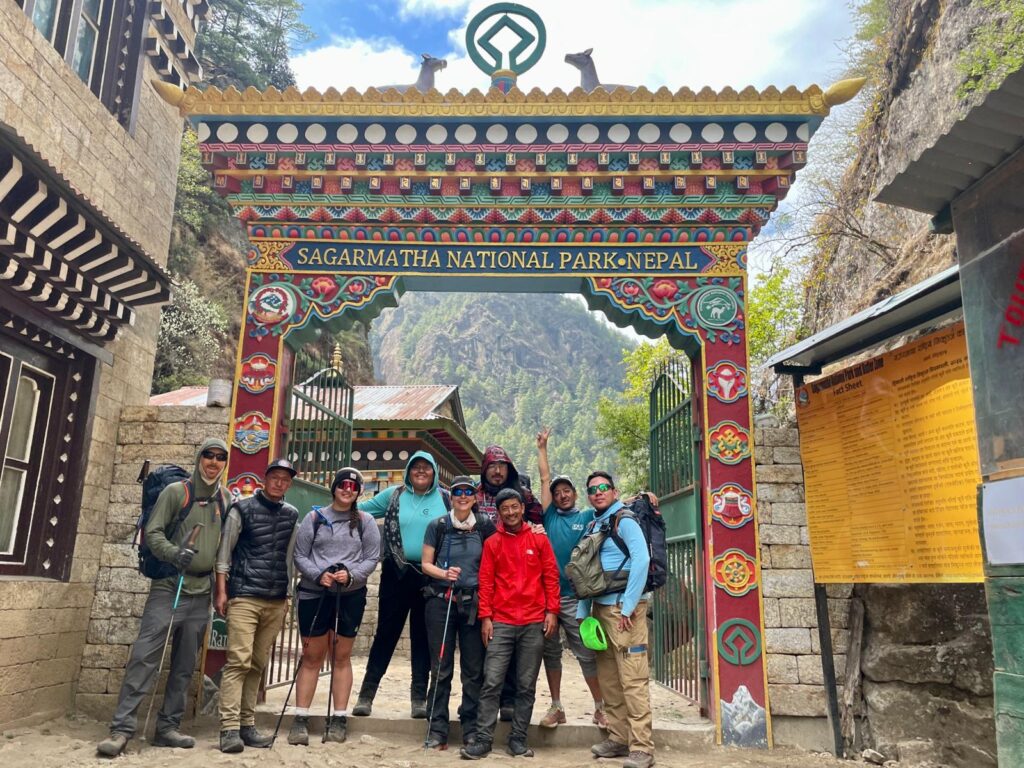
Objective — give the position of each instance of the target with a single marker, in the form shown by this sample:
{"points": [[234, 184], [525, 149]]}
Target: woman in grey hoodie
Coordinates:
{"points": [[336, 550]]}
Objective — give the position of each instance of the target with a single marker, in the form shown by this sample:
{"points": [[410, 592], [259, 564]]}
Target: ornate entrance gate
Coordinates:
{"points": [[643, 202]]}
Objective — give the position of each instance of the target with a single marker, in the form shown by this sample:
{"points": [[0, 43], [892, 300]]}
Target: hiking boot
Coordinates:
{"points": [[600, 720], [638, 760], [518, 748], [363, 707], [554, 717], [419, 710], [505, 713], [231, 742], [609, 748], [113, 745], [434, 741], [337, 729], [253, 738], [476, 750], [173, 738], [299, 733]]}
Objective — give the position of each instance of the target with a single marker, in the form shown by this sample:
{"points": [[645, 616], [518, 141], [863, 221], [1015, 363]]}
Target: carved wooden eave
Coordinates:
{"points": [[770, 102]]}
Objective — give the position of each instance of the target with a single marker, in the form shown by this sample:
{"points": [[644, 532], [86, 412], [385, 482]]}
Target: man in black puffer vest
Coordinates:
{"points": [[253, 579]]}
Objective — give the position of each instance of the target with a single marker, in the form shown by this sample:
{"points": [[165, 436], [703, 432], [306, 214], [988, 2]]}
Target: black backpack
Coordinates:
{"points": [[649, 518], [153, 485]]}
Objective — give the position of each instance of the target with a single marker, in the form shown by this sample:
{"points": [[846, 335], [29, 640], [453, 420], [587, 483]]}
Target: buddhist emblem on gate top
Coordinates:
{"points": [[511, 20]]}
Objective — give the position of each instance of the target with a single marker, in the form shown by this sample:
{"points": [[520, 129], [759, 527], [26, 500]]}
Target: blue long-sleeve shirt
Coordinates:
{"points": [[611, 560]]}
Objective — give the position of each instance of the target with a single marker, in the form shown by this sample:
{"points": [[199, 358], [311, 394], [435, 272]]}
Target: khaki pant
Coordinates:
{"points": [[253, 623], [624, 674]]}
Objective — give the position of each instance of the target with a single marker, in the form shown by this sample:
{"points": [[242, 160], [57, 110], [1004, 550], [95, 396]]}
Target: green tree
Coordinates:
{"points": [[191, 338], [248, 42], [774, 314], [996, 48]]}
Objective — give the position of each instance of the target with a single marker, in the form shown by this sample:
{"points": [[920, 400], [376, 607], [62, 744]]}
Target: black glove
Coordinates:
{"points": [[183, 558]]}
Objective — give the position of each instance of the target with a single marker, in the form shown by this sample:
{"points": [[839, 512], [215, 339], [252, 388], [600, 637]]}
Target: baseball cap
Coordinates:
{"points": [[281, 464], [560, 479]]}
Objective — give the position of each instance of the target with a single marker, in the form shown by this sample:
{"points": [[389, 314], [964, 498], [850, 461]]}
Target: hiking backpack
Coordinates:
{"points": [[585, 572], [152, 486]]}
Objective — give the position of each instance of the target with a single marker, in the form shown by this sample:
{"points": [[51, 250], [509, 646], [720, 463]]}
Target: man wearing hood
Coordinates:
{"points": [[498, 472], [194, 564], [407, 511]]}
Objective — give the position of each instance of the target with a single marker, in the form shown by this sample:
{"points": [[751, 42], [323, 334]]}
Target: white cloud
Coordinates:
{"points": [[654, 43]]}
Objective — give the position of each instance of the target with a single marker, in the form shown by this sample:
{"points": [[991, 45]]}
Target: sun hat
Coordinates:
{"points": [[593, 634]]}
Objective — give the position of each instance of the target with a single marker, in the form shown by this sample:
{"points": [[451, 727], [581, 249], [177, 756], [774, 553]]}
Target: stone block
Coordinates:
{"points": [[118, 556], [788, 583], [782, 669], [162, 433], [779, 473], [786, 437], [120, 630], [779, 534], [766, 421], [92, 681], [109, 605], [84, 568], [787, 640], [797, 700], [840, 641], [762, 453], [787, 455], [96, 705], [926, 613], [104, 656], [796, 556], [71, 644], [772, 617], [19, 623], [789, 513], [811, 672], [839, 590], [127, 580], [21, 594], [764, 511], [798, 612], [197, 433], [24, 650], [773, 492]]}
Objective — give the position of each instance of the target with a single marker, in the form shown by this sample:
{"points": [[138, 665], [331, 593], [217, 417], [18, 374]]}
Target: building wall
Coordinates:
{"points": [[131, 179]]}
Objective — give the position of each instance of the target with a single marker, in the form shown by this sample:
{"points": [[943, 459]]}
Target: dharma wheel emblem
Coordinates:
{"points": [[504, 68]]}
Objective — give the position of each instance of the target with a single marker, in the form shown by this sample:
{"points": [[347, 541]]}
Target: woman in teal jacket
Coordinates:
{"points": [[407, 510]]}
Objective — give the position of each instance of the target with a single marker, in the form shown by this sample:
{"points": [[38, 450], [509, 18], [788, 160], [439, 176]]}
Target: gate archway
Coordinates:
{"points": [[643, 203]]}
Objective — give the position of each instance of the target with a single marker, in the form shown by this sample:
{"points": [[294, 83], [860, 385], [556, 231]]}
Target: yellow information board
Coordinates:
{"points": [[890, 457]]}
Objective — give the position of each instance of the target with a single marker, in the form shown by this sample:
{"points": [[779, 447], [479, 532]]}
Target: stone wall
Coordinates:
{"points": [[130, 178], [926, 653], [796, 690]]}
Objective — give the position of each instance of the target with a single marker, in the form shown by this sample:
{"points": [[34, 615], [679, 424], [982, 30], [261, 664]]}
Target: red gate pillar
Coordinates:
{"points": [[711, 311]]}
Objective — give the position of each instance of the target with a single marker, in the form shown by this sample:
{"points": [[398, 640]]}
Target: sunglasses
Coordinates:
{"points": [[599, 488], [215, 455], [349, 485], [463, 491]]}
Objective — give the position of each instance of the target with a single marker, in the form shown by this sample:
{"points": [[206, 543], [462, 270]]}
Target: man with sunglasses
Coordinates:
{"points": [[194, 562], [622, 669], [253, 580]]}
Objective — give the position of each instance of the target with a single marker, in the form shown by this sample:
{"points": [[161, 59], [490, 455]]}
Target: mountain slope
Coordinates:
{"points": [[521, 362]]}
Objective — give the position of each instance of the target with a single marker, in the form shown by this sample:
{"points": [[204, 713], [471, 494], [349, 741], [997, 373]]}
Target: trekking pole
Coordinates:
{"points": [[334, 643], [298, 664], [444, 638], [191, 542]]}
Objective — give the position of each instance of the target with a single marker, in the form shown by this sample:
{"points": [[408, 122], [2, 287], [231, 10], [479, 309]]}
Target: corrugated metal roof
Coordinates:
{"points": [[183, 396], [929, 300], [985, 137], [396, 402]]}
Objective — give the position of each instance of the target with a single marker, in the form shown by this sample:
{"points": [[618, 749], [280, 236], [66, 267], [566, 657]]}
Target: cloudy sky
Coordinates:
{"points": [[650, 42]]}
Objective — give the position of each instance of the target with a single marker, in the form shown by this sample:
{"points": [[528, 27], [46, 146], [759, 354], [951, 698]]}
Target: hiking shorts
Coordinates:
{"points": [[317, 617]]}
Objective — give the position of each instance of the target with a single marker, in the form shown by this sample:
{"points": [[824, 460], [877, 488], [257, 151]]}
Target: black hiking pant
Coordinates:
{"points": [[400, 597], [471, 662]]}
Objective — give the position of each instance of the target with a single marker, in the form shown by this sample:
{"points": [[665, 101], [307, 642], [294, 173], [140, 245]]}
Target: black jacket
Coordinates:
{"points": [[259, 563]]}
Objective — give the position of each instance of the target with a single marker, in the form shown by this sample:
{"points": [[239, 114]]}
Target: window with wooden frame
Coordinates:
{"points": [[101, 40], [44, 415]]}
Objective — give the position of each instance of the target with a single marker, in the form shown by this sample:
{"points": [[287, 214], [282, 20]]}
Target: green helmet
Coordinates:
{"points": [[593, 634]]}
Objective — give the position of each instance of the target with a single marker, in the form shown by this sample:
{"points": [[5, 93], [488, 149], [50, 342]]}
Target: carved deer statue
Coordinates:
{"points": [[425, 81], [588, 72]]}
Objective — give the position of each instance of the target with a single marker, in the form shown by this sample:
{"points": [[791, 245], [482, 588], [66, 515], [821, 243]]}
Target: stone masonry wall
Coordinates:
{"points": [[795, 681], [131, 178]]}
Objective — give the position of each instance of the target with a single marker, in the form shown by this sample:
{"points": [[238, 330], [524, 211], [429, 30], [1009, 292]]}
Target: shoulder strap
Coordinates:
{"points": [[446, 497], [624, 512]]}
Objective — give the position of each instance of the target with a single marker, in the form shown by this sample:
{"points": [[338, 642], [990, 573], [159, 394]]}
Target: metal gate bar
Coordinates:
{"points": [[676, 623]]}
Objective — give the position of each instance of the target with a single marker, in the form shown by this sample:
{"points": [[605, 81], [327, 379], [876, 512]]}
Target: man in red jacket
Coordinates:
{"points": [[517, 611]]}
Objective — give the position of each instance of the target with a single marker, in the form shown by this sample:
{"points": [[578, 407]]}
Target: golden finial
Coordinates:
{"points": [[336, 357], [169, 92], [843, 91]]}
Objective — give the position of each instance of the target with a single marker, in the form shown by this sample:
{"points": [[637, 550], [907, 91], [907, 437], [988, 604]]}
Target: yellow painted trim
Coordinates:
{"points": [[238, 375], [474, 104], [420, 175], [498, 202]]}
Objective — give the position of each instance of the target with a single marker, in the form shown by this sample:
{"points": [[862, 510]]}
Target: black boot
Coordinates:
{"points": [[253, 738], [337, 729], [299, 733], [476, 750], [231, 742], [173, 738], [113, 745], [363, 707]]}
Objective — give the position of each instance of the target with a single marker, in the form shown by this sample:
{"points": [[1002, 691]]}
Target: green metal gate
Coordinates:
{"points": [[678, 656], [319, 442]]}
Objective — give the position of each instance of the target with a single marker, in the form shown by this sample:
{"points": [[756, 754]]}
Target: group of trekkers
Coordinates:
{"points": [[480, 565]]}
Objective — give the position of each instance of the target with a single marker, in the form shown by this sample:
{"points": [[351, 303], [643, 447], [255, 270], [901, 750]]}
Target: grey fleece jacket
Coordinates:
{"points": [[335, 543]]}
